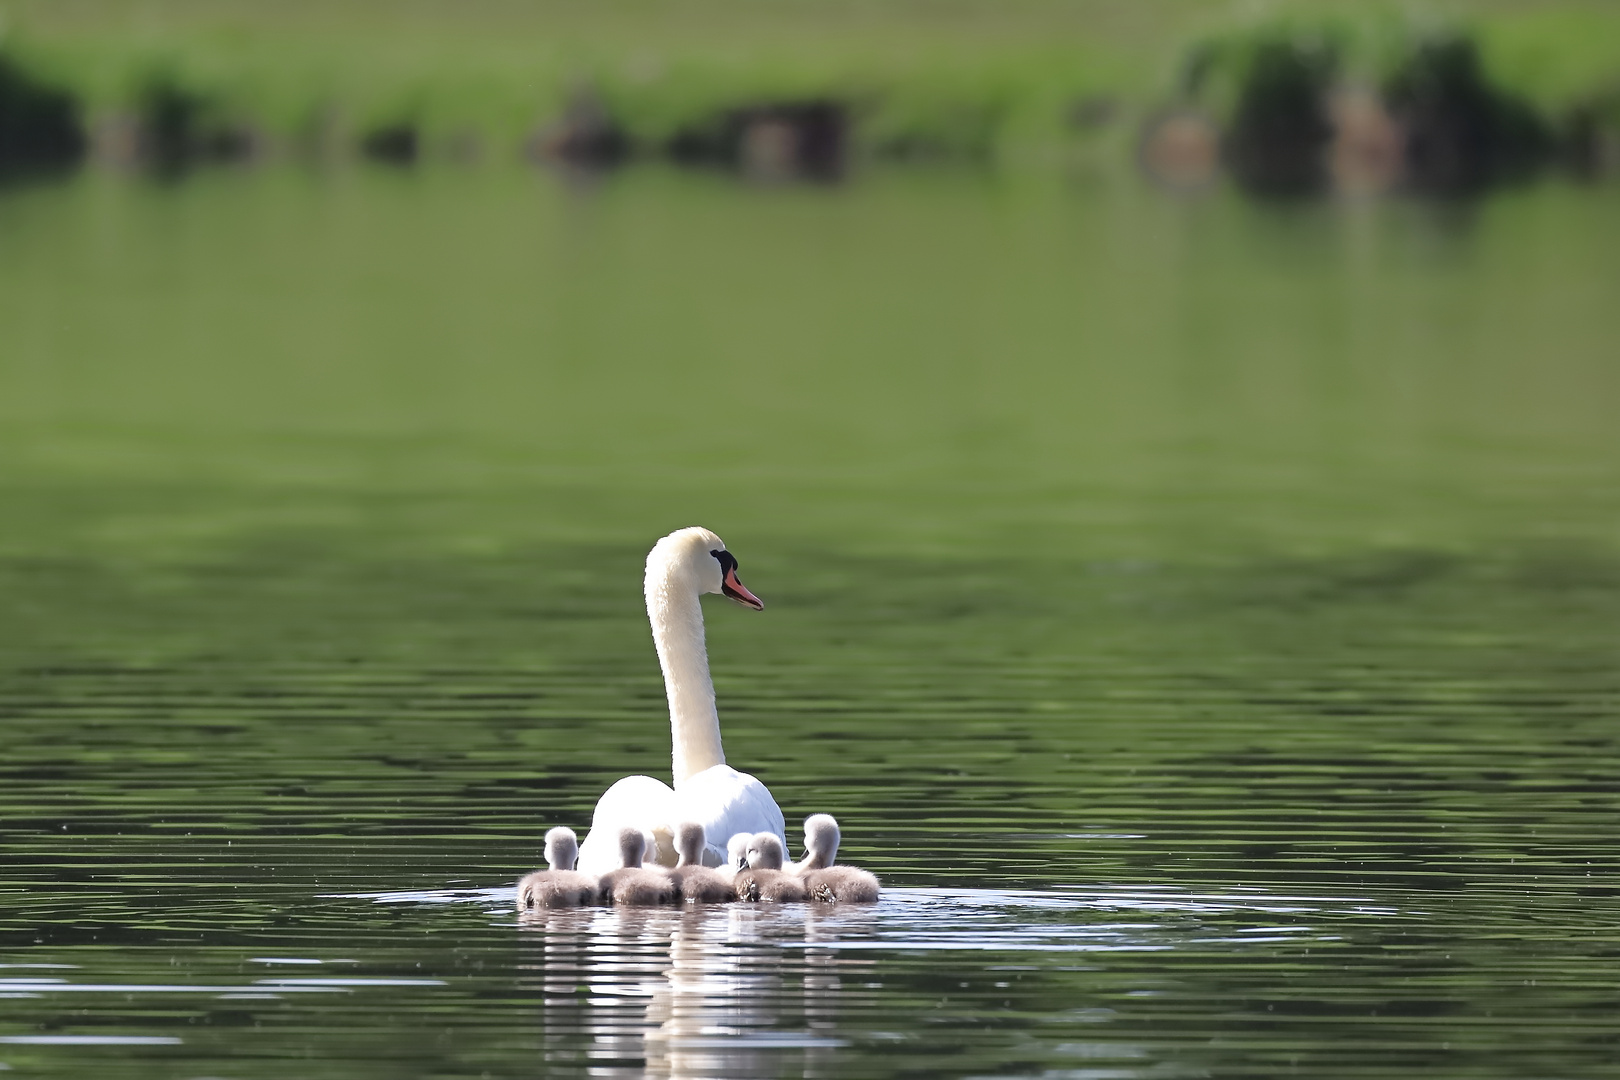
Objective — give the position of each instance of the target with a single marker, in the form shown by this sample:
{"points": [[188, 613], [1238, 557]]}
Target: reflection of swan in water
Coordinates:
{"points": [[596, 969], [707, 990], [695, 882], [735, 1004], [765, 880], [560, 885], [692, 991], [556, 972], [630, 884], [822, 879]]}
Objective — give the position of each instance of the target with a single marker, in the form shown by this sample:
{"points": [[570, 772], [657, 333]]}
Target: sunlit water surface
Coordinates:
{"points": [[1204, 616]]}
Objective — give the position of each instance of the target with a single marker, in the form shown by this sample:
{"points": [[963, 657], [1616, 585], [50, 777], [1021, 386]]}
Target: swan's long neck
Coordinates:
{"points": [[677, 628]]}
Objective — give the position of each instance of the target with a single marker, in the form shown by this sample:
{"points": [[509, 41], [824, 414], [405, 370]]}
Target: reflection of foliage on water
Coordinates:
{"points": [[1461, 131], [1299, 111], [40, 127], [177, 125], [1280, 128]]}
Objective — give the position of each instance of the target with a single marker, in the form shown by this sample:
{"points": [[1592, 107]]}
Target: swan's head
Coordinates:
{"points": [[737, 850], [632, 845], [765, 852], [697, 559], [562, 848], [821, 838], [689, 844]]}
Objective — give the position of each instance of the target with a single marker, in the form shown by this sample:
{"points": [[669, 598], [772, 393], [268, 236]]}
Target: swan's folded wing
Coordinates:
{"points": [[726, 802], [636, 802]]}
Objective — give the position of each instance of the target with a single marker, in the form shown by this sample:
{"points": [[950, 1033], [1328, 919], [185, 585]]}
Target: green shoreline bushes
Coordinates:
{"points": [[1277, 138], [1365, 108], [40, 124], [1461, 131], [1295, 103]]}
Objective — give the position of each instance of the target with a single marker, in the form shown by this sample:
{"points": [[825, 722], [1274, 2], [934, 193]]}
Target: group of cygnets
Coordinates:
{"points": [[756, 869]]}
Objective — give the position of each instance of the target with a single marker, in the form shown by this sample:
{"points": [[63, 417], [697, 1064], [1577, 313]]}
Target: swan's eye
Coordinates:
{"points": [[728, 561]]}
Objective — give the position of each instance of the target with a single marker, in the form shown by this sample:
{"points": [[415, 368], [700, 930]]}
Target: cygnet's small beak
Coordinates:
{"points": [[735, 590]]}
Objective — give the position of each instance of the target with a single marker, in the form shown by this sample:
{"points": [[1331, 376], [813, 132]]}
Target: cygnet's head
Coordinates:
{"points": [[697, 559], [562, 848], [765, 852], [689, 844], [632, 845], [821, 838], [737, 850]]}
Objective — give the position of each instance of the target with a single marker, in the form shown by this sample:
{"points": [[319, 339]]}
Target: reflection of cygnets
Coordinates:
{"points": [[764, 878], [736, 855], [561, 885], [630, 884], [693, 880], [824, 881]]}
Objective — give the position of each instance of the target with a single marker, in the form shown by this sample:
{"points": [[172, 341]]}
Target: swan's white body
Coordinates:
{"points": [[681, 567]]}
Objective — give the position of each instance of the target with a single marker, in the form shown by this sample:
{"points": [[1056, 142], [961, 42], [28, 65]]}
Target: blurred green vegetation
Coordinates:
{"points": [[937, 77]]}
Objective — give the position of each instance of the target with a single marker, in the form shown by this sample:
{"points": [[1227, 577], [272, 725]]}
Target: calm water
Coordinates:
{"points": [[1205, 617]]}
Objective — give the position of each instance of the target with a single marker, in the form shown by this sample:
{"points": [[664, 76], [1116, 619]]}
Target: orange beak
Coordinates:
{"points": [[735, 590]]}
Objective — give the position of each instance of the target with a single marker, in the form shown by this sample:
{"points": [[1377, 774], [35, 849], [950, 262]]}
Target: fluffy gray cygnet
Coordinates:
{"points": [[695, 882], [560, 885], [736, 855], [822, 879], [764, 879], [632, 885]]}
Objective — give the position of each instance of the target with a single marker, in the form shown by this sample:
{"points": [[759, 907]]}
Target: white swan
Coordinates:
{"points": [[680, 568]]}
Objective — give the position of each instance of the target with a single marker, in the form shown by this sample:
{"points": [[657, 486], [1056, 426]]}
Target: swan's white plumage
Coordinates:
{"points": [[680, 568], [639, 802], [721, 799], [726, 802]]}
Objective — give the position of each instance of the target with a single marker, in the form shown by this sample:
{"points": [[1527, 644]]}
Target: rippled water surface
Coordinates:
{"points": [[1205, 617]]}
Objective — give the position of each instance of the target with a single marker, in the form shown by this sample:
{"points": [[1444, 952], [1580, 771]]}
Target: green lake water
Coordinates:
{"points": [[1204, 616]]}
